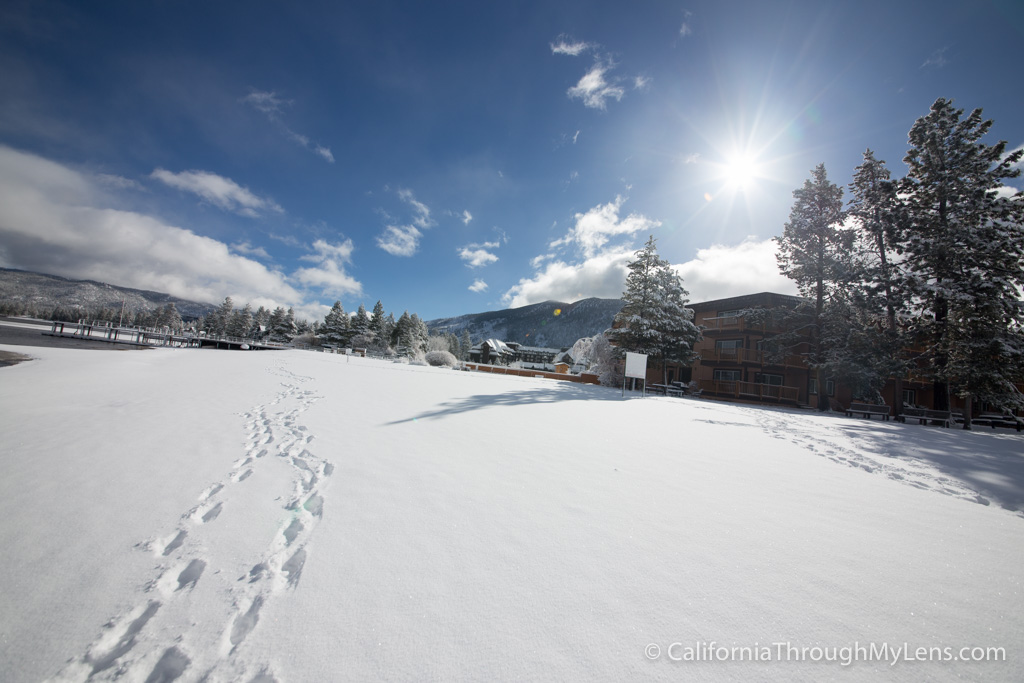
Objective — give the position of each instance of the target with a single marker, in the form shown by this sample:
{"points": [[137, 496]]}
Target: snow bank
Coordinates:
{"points": [[305, 516]]}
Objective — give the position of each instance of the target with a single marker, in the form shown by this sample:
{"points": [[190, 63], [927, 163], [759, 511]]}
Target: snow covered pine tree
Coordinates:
{"points": [[814, 251], [654, 319], [966, 248]]}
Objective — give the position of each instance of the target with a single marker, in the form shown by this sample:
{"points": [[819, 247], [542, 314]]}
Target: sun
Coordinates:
{"points": [[740, 170]]}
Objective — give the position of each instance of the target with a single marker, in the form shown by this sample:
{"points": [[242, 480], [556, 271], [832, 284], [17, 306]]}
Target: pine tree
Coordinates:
{"points": [[282, 325], [964, 247], [360, 322], [388, 328], [402, 336], [880, 294], [260, 322], [465, 344], [289, 328], [814, 251], [654, 319], [241, 322], [168, 316], [420, 334], [377, 322], [335, 329], [220, 318]]}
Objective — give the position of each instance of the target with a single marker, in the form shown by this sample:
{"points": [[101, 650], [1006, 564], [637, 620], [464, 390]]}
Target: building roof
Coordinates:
{"points": [[759, 300], [497, 346]]}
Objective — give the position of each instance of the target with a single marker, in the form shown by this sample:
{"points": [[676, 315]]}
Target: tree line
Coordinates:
{"points": [[920, 275]]}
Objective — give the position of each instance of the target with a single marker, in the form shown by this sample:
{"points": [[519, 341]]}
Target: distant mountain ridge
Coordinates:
{"points": [[550, 324], [46, 292]]}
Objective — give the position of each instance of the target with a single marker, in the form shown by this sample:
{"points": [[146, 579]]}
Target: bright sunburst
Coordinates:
{"points": [[740, 170]]}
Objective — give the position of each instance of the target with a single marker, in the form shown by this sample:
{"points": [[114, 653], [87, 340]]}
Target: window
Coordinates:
{"points": [[728, 348], [730, 314], [766, 378], [727, 375], [830, 387], [909, 397]]}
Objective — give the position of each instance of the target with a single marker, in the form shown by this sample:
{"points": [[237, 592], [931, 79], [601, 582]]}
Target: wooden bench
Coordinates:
{"points": [[867, 410], [925, 416], [997, 420]]}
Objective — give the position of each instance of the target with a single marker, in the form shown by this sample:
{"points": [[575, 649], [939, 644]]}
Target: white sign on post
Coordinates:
{"points": [[636, 367]]}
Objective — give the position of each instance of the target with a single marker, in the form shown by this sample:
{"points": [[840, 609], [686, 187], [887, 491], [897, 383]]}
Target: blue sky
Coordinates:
{"points": [[457, 157]]}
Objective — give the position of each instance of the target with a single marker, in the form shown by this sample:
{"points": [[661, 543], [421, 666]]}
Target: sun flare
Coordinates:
{"points": [[740, 170]]}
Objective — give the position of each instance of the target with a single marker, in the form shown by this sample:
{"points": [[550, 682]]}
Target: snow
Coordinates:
{"points": [[298, 516]]}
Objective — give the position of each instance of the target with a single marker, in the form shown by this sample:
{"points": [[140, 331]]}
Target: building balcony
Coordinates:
{"points": [[731, 324], [748, 357], [750, 391]]}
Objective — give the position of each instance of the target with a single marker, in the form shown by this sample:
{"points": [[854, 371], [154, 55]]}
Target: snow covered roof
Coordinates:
{"points": [[538, 349], [497, 346]]}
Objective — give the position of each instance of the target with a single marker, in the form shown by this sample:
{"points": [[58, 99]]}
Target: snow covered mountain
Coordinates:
{"points": [[45, 292], [551, 323]]}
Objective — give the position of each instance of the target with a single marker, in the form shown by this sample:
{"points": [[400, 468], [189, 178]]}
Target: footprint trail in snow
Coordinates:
{"points": [[159, 639]]}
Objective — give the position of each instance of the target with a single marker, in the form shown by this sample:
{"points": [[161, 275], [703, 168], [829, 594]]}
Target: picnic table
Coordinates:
{"points": [[673, 389], [998, 420]]}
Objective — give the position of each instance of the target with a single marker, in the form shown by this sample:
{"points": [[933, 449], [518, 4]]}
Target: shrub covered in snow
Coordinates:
{"points": [[441, 359]]}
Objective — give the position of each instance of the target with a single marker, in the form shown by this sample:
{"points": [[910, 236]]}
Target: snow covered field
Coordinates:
{"points": [[297, 516]]}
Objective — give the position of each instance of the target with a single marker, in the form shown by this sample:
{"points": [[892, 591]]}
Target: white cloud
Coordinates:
{"points": [[721, 271], [222, 192], [602, 273], [685, 29], [270, 104], [1006, 192], [53, 220], [249, 250], [266, 102], [641, 82], [567, 46], [325, 152], [692, 158], [330, 270], [478, 286], [602, 276], [717, 272], [536, 261], [595, 228], [400, 240], [936, 59], [404, 240], [466, 217], [477, 255], [118, 182], [421, 213], [594, 89]]}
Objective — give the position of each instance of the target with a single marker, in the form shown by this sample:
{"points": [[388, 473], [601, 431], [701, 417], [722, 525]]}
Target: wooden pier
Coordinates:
{"points": [[149, 337]]}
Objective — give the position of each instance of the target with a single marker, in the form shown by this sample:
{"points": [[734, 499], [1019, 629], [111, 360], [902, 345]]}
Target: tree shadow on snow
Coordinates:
{"points": [[549, 394], [990, 463]]}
